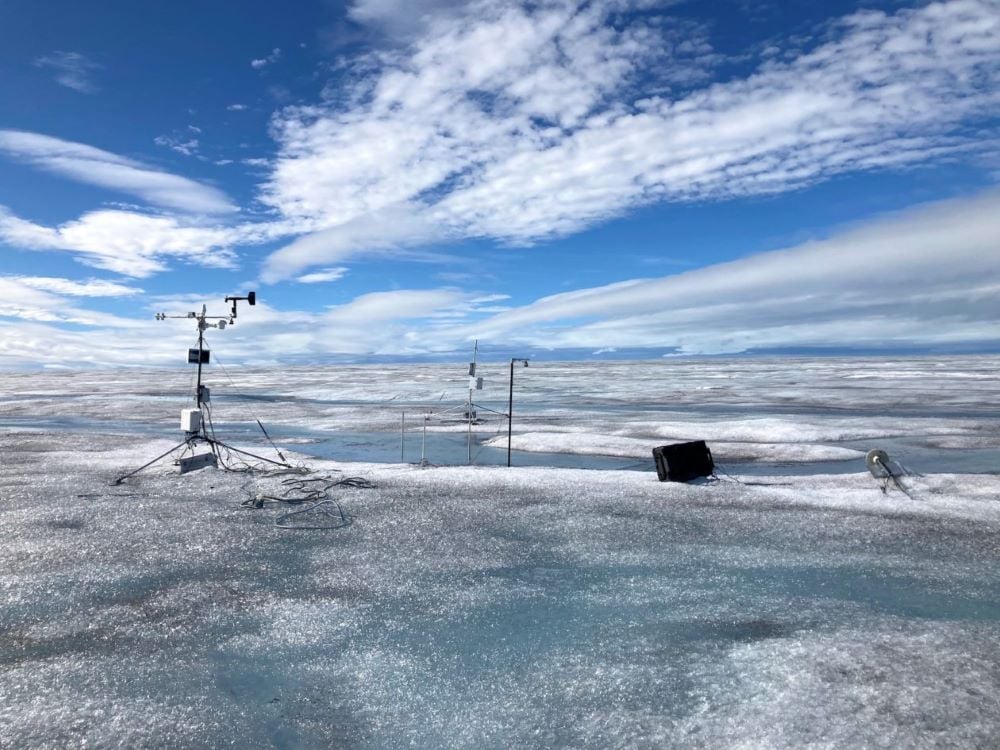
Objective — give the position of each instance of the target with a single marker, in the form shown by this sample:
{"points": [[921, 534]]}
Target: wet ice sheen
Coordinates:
{"points": [[810, 413], [485, 607]]}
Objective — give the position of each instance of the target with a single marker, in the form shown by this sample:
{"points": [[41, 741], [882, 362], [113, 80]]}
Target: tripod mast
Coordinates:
{"points": [[201, 355]]}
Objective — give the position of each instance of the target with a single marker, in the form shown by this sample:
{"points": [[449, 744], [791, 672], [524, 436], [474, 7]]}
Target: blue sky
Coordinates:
{"points": [[557, 178]]}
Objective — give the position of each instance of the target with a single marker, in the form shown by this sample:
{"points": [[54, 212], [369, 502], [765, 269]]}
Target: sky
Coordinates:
{"points": [[566, 179]]}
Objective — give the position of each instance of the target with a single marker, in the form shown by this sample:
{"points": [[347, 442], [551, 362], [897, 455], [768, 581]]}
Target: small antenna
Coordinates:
{"points": [[475, 384]]}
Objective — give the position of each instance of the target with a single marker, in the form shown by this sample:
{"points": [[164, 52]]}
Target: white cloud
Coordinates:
{"points": [[403, 321], [464, 97], [400, 322], [927, 276], [39, 342], [237, 107], [403, 304], [522, 122], [399, 18], [323, 275], [188, 147], [25, 234], [93, 166], [88, 288], [130, 243], [924, 277], [386, 11], [390, 230], [25, 301], [71, 69], [270, 59]]}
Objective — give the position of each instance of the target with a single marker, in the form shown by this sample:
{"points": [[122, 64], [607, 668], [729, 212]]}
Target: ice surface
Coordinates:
{"points": [[492, 607], [939, 413], [613, 445], [470, 607]]}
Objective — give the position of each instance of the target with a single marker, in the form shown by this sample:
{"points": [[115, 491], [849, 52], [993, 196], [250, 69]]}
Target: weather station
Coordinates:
{"points": [[196, 423]]}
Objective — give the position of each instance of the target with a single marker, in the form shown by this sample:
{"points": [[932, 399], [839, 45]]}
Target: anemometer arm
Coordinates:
{"points": [[200, 355], [203, 316]]}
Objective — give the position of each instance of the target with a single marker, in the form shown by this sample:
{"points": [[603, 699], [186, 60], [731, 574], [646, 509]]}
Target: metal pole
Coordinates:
{"points": [[472, 375], [402, 432], [510, 409], [423, 444], [202, 429], [246, 453], [123, 477], [201, 346]]}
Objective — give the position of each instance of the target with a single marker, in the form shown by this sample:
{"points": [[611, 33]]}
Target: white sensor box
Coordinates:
{"points": [[190, 420]]}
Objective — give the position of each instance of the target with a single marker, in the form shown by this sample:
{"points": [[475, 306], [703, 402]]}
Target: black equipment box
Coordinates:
{"points": [[682, 462], [195, 354], [199, 461]]}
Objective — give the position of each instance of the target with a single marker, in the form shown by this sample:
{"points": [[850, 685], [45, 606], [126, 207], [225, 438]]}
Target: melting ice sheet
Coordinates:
{"points": [[486, 607]]}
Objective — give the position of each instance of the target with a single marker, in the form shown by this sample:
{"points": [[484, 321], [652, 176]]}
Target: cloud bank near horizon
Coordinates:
{"points": [[925, 277]]}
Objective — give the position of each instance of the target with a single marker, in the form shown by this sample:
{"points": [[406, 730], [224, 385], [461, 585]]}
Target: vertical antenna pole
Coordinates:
{"points": [[201, 355], [510, 409], [423, 444], [472, 375], [201, 348], [510, 401], [402, 432]]}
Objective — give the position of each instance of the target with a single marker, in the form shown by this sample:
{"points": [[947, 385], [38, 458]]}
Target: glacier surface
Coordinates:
{"points": [[480, 606]]}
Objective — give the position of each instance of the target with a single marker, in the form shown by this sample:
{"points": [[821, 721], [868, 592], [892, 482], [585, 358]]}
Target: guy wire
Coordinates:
{"points": [[245, 406]]}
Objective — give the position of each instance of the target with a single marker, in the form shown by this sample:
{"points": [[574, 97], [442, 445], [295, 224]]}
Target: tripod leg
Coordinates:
{"points": [[123, 477], [245, 453]]}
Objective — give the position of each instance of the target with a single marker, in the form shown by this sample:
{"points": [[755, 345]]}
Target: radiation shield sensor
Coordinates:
{"points": [[877, 461]]}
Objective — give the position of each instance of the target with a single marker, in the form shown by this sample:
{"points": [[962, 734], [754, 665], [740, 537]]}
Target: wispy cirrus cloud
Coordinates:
{"points": [[323, 275], [71, 288], [44, 300], [390, 230], [94, 166], [400, 19], [401, 321], [183, 144], [522, 122], [71, 69], [263, 62]]}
